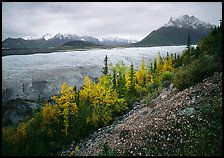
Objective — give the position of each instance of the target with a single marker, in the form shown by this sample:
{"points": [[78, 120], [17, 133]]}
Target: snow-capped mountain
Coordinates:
{"points": [[115, 41], [176, 32], [47, 36], [54, 40], [32, 37], [60, 39], [187, 22], [90, 39]]}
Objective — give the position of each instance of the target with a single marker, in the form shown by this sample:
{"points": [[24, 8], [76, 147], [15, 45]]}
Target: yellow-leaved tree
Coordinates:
{"points": [[168, 64], [130, 79], [102, 99], [143, 78], [65, 109]]}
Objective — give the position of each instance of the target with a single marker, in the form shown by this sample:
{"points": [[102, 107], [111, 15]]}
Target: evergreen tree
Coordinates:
{"points": [[188, 43], [159, 64], [175, 56], [155, 63], [132, 78], [167, 55], [105, 69], [151, 67], [141, 73], [114, 80]]}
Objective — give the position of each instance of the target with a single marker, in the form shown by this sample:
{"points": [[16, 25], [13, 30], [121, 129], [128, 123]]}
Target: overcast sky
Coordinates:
{"points": [[132, 20]]}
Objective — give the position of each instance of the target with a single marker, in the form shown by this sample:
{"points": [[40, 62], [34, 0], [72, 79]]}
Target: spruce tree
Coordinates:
{"points": [[114, 79], [188, 43], [105, 69], [132, 77]]}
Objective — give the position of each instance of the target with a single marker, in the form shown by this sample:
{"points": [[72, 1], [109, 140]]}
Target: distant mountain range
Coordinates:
{"points": [[80, 45], [53, 41], [175, 32]]}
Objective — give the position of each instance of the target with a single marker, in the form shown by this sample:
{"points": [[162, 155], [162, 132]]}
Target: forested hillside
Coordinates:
{"points": [[74, 114]]}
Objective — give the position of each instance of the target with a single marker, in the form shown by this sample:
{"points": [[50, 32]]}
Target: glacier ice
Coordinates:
{"points": [[41, 75]]}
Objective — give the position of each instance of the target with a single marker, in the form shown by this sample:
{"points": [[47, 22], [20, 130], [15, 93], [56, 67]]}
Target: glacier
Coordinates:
{"points": [[31, 77]]}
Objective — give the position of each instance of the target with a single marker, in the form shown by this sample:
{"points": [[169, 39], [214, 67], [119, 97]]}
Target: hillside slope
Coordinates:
{"points": [[175, 123]]}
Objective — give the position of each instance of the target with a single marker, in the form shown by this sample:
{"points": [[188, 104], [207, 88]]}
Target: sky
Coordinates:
{"points": [[131, 20]]}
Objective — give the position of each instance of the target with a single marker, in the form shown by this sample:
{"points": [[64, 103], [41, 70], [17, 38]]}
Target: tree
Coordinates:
{"points": [[141, 74], [159, 64], [177, 61], [130, 79], [188, 43], [65, 106], [168, 64], [114, 80], [105, 68], [143, 78], [120, 69], [155, 63]]}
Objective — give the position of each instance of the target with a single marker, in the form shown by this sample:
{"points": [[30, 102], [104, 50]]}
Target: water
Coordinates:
{"points": [[41, 75]]}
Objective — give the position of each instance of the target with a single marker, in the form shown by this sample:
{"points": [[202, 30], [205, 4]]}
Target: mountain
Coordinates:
{"points": [[90, 39], [116, 41], [54, 41], [22, 43], [60, 39], [176, 31], [80, 45]]}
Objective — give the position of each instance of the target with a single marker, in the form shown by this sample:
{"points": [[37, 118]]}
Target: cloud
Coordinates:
{"points": [[100, 19]]}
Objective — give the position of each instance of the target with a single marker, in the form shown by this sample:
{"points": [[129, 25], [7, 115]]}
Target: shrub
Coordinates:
{"points": [[198, 70], [167, 78], [107, 151]]}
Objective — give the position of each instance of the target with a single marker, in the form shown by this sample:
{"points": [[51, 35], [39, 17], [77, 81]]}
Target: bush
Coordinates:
{"points": [[198, 70], [167, 78], [148, 100], [107, 151]]}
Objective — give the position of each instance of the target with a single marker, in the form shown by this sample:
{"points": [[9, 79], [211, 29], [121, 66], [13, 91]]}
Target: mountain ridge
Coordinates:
{"points": [[176, 32], [57, 40]]}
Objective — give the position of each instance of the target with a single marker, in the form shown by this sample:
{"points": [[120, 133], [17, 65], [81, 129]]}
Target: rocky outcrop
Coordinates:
{"points": [[159, 129], [17, 110]]}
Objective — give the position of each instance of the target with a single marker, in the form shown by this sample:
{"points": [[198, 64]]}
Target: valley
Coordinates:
{"points": [[91, 79]]}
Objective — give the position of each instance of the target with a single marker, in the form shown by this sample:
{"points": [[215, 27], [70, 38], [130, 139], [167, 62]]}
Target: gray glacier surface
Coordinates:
{"points": [[30, 77]]}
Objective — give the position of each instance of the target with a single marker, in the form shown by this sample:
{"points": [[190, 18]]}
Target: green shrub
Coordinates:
{"points": [[107, 151], [198, 70], [167, 78], [147, 100]]}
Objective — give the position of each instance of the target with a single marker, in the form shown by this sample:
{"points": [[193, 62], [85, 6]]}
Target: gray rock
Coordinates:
{"points": [[187, 111], [163, 96]]}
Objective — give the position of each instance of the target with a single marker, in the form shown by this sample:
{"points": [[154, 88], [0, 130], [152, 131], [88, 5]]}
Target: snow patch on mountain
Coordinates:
{"points": [[115, 41], [32, 37], [48, 36]]}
